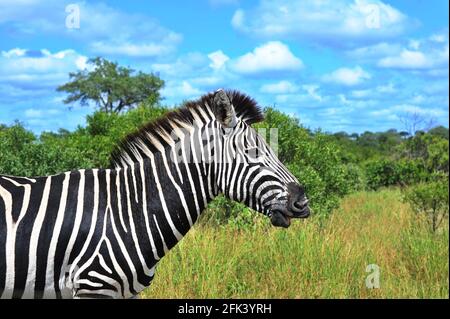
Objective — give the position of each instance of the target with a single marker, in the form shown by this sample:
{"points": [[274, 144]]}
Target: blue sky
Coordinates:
{"points": [[351, 65]]}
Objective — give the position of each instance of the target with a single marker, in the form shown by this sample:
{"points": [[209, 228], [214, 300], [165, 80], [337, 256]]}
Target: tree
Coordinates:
{"points": [[404, 134], [414, 121], [111, 87], [440, 131], [431, 150], [430, 199], [342, 135]]}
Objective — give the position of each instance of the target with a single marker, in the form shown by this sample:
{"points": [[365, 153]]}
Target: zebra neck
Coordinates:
{"points": [[167, 198]]}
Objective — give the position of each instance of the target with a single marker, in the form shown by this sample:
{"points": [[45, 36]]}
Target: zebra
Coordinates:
{"points": [[99, 233]]}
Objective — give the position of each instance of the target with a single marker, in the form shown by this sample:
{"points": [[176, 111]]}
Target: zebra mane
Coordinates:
{"points": [[157, 132]]}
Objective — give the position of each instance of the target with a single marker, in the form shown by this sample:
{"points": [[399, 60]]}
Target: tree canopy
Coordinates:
{"points": [[111, 87]]}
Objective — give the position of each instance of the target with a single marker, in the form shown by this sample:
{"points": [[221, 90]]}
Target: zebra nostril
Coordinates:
{"points": [[300, 205]]}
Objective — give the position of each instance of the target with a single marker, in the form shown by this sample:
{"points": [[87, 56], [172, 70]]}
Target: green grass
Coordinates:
{"points": [[312, 259]]}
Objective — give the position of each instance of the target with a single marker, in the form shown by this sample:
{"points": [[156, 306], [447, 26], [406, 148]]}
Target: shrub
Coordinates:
{"points": [[430, 199], [410, 172], [25, 154], [386, 172], [14, 141], [432, 150], [220, 210], [356, 178], [247, 219]]}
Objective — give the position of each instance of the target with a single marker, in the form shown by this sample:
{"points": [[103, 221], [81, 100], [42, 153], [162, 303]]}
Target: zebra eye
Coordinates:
{"points": [[249, 150], [254, 153]]}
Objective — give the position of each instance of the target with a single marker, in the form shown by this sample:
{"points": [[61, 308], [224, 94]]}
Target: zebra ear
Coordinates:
{"points": [[224, 110]]}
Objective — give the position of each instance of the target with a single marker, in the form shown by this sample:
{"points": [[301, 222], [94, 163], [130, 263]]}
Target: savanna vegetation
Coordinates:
{"points": [[378, 198]]}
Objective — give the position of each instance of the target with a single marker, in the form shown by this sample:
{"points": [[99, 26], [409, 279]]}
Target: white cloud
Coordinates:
{"points": [[414, 54], [411, 109], [437, 87], [38, 68], [187, 89], [414, 44], [184, 90], [340, 112], [375, 51], [439, 37], [347, 76], [132, 50], [311, 89], [407, 59], [418, 99], [271, 56], [218, 59], [360, 93], [388, 88], [414, 109], [184, 66], [395, 112], [381, 90], [385, 115], [343, 99], [81, 62], [33, 113], [17, 52], [306, 95], [207, 81], [104, 29], [140, 36], [431, 57], [281, 87], [237, 21], [327, 22], [193, 74], [11, 10]]}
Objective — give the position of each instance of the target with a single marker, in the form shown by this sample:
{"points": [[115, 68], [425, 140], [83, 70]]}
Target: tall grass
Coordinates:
{"points": [[312, 259]]}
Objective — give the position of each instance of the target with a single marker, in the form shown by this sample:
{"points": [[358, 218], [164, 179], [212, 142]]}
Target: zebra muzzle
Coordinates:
{"points": [[280, 219]]}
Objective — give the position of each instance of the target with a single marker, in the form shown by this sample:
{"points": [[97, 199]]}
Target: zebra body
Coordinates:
{"points": [[107, 229], [101, 232]]}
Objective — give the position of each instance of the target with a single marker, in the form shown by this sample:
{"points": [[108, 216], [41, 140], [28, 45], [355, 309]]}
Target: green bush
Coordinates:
{"points": [[25, 154], [430, 199], [410, 172], [387, 172], [220, 210], [356, 177], [247, 219], [14, 141], [430, 149]]}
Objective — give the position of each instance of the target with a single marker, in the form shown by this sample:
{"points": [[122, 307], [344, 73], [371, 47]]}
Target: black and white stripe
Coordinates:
{"points": [[101, 232]]}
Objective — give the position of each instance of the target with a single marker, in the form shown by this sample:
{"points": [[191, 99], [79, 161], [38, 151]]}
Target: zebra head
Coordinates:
{"points": [[251, 172]]}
